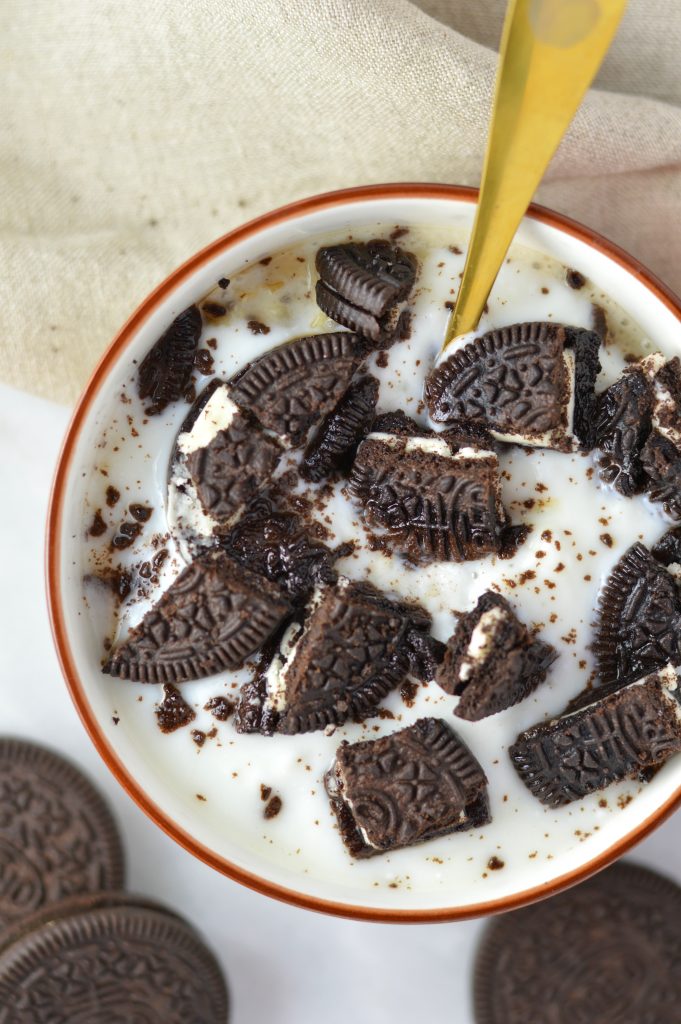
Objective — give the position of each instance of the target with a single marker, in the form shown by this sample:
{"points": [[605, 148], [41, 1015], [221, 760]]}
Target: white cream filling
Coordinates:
{"points": [[481, 642], [546, 439], [275, 677], [218, 414], [664, 402], [430, 446]]}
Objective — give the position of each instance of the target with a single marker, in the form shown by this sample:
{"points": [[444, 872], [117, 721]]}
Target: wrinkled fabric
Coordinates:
{"points": [[133, 134]]}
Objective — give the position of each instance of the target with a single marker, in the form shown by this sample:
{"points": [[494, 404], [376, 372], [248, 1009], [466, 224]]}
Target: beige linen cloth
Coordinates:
{"points": [[132, 132]]}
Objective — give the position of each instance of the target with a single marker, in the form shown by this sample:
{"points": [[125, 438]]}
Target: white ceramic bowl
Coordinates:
{"points": [[203, 827]]}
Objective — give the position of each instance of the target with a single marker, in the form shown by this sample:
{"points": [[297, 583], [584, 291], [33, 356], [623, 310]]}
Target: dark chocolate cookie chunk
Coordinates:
{"points": [[522, 382], [414, 785], [335, 442], [291, 387], [605, 952], [166, 370], [435, 503], [398, 423], [212, 617], [221, 460], [661, 462], [626, 730], [112, 958], [353, 646], [668, 548], [57, 836], [276, 545], [624, 422], [173, 712], [492, 661], [361, 283], [639, 618]]}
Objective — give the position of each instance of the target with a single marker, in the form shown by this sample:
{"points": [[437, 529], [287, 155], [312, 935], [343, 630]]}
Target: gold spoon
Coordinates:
{"points": [[549, 55]]}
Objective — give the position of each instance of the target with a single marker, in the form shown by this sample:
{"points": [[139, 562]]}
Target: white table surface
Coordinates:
{"points": [[282, 964]]}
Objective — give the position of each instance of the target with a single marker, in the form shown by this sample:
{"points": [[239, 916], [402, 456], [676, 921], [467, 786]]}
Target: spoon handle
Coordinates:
{"points": [[549, 55]]}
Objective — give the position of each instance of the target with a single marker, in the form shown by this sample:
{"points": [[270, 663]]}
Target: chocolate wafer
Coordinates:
{"points": [[221, 460], [212, 617], [57, 836], [276, 545], [337, 661], [435, 502], [638, 628], [492, 661], [531, 384], [405, 788], [335, 442], [360, 285], [293, 386], [618, 734], [165, 372], [624, 423]]}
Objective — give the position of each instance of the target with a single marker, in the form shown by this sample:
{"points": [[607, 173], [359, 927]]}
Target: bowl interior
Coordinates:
{"points": [[192, 792]]}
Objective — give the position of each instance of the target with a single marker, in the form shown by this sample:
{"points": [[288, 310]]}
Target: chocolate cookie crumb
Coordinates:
{"points": [[575, 279], [220, 708], [214, 310], [198, 736], [173, 712], [127, 535], [256, 327], [97, 527], [142, 513], [223, 282], [495, 864], [408, 691], [265, 792], [272, 807], [203, 361], [112, 496], [382, 359]]}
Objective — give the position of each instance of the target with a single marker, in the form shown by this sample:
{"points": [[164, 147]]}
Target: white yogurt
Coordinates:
{"points": [[579, 530]]}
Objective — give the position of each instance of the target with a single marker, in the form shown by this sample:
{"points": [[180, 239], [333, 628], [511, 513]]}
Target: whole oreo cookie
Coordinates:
{"points": [[291, 387], [107, 959], [57, 836], [361, 283], [606, 952], [166, 370]]}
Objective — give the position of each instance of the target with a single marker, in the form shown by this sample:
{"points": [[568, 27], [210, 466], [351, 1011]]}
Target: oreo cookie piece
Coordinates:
{"points": [[398, 423], [413, 785], [212, 617], [624, 423], [661, 453], [352, 647], [619, 734], [114, 957], [291, 387], [668, 548], [276, 545], [492, 661], [164, 373], [638, 628], [604, 952], [335, 442], [435, 502], [530, 384], [221, 460], [57, 835], [361, 284]]}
